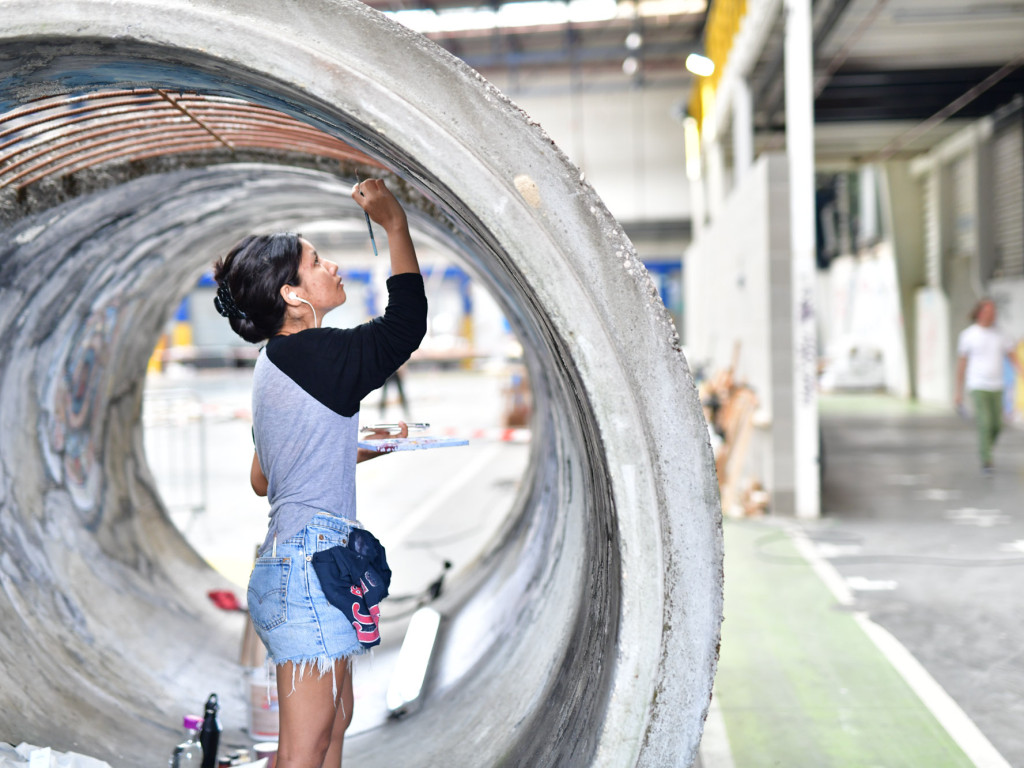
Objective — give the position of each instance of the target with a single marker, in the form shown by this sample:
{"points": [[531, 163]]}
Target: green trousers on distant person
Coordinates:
{"points": [[988, 415]]}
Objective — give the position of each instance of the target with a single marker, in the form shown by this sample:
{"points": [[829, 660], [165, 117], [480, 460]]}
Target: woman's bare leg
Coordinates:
{"points": [[342, 715], [307, 715]]}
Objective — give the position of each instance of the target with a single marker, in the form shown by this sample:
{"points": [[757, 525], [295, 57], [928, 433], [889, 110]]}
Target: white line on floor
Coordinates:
{"points": [[433, 502], [714, 744], [958, 725]]}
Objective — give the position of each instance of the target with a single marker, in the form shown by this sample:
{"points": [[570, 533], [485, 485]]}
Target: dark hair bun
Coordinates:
{"points": [[249, 281]]}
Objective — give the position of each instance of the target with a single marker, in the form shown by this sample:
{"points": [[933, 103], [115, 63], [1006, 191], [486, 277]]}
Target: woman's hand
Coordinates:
{"points": [[374, 197], [365, 454]]}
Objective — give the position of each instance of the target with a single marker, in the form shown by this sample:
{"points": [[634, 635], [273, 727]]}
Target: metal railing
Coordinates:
{"points": [[175, 439]]}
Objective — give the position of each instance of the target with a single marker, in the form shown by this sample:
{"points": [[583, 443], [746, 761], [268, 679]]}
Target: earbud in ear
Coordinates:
{"points": [[295, 297]]}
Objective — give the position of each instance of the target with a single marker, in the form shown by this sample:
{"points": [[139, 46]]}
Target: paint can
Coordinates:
{"points": [[268, 750]]}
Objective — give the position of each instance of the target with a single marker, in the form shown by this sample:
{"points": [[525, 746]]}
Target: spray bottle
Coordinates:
{"points": [[209, 734]]}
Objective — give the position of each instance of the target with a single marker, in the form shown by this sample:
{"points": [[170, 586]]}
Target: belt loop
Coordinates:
{"points": [[273, 552]]}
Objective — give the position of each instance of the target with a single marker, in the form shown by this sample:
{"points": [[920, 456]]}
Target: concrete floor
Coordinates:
{"points": [[884, 634]]}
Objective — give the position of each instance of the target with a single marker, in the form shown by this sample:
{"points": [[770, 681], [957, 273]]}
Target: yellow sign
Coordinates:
{"points": [[724, 21]]}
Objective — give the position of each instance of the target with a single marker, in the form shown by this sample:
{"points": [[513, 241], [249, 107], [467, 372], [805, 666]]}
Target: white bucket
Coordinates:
{"points": [[263, 710]]}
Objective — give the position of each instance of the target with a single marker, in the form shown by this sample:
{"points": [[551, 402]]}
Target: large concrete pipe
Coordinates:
{"points": [[589, 637]]}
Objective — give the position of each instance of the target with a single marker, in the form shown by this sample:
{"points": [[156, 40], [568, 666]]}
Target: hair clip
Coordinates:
{"points": [[224, 303]]}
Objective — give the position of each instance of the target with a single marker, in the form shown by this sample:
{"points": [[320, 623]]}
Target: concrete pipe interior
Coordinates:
{"points": [[588, 637]]}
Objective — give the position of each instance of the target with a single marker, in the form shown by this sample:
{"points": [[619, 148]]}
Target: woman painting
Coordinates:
{"points": [[307, 386]]}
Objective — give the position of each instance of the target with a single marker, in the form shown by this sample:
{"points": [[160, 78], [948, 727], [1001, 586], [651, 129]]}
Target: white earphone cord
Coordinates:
{"points": [[295, 296]]}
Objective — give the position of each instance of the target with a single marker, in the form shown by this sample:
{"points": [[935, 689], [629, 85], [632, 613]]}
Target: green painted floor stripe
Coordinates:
{"points": [[876, 404], [799, 683]]}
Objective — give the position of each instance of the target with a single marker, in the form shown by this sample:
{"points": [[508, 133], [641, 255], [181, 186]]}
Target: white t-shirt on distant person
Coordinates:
{"points": [[985, 350]]}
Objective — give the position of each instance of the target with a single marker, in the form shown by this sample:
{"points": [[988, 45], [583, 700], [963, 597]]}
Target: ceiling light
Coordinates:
{"points": [[630, 65], [699, 65], [532, 13], [592, 10], [634, 40], [650, 8]]}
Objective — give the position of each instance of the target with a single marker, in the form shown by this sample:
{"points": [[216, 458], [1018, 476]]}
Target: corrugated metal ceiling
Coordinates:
{"points": [[61, 135]]}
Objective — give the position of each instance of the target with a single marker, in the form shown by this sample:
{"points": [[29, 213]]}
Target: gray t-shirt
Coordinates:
{"points": [[305, 406]]}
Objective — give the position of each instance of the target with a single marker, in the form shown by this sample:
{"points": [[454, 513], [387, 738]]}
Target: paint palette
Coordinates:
{"points": [[392, 444]]}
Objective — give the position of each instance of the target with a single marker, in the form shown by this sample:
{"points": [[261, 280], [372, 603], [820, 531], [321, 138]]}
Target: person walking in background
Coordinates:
{"points": [[981, 350], [396, 379]]}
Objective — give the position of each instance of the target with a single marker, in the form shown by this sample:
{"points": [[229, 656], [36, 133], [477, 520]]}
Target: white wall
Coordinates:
{"points": [[738, 290], [958, 199], [1009, 297], [627, 141], [861, 310], [727, 289], [934, 358]]}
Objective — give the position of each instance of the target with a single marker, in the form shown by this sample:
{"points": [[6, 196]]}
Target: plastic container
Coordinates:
{"points": [[268, 750], [264, 720], [189, 753]]}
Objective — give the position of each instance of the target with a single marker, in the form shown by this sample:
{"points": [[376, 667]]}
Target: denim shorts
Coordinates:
{"points": [[288, 607]]}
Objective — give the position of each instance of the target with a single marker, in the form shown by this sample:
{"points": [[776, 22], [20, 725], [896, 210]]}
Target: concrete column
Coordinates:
{"points": [[694, 173], [903, 223], [867, 227], [933, 233], [800, 155], [985, 231], [742, 130], [961, 281], [715, 169], [936, 335]]}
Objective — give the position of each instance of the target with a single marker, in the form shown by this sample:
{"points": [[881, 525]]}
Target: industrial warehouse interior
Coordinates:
{"points": [[724, 347]]}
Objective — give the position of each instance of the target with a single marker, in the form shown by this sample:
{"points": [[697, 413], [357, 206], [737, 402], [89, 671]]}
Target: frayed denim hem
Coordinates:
{"points": [[322, 664]]}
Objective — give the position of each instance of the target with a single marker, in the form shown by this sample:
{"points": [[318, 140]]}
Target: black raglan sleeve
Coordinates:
{"points": [[340, 366]]}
